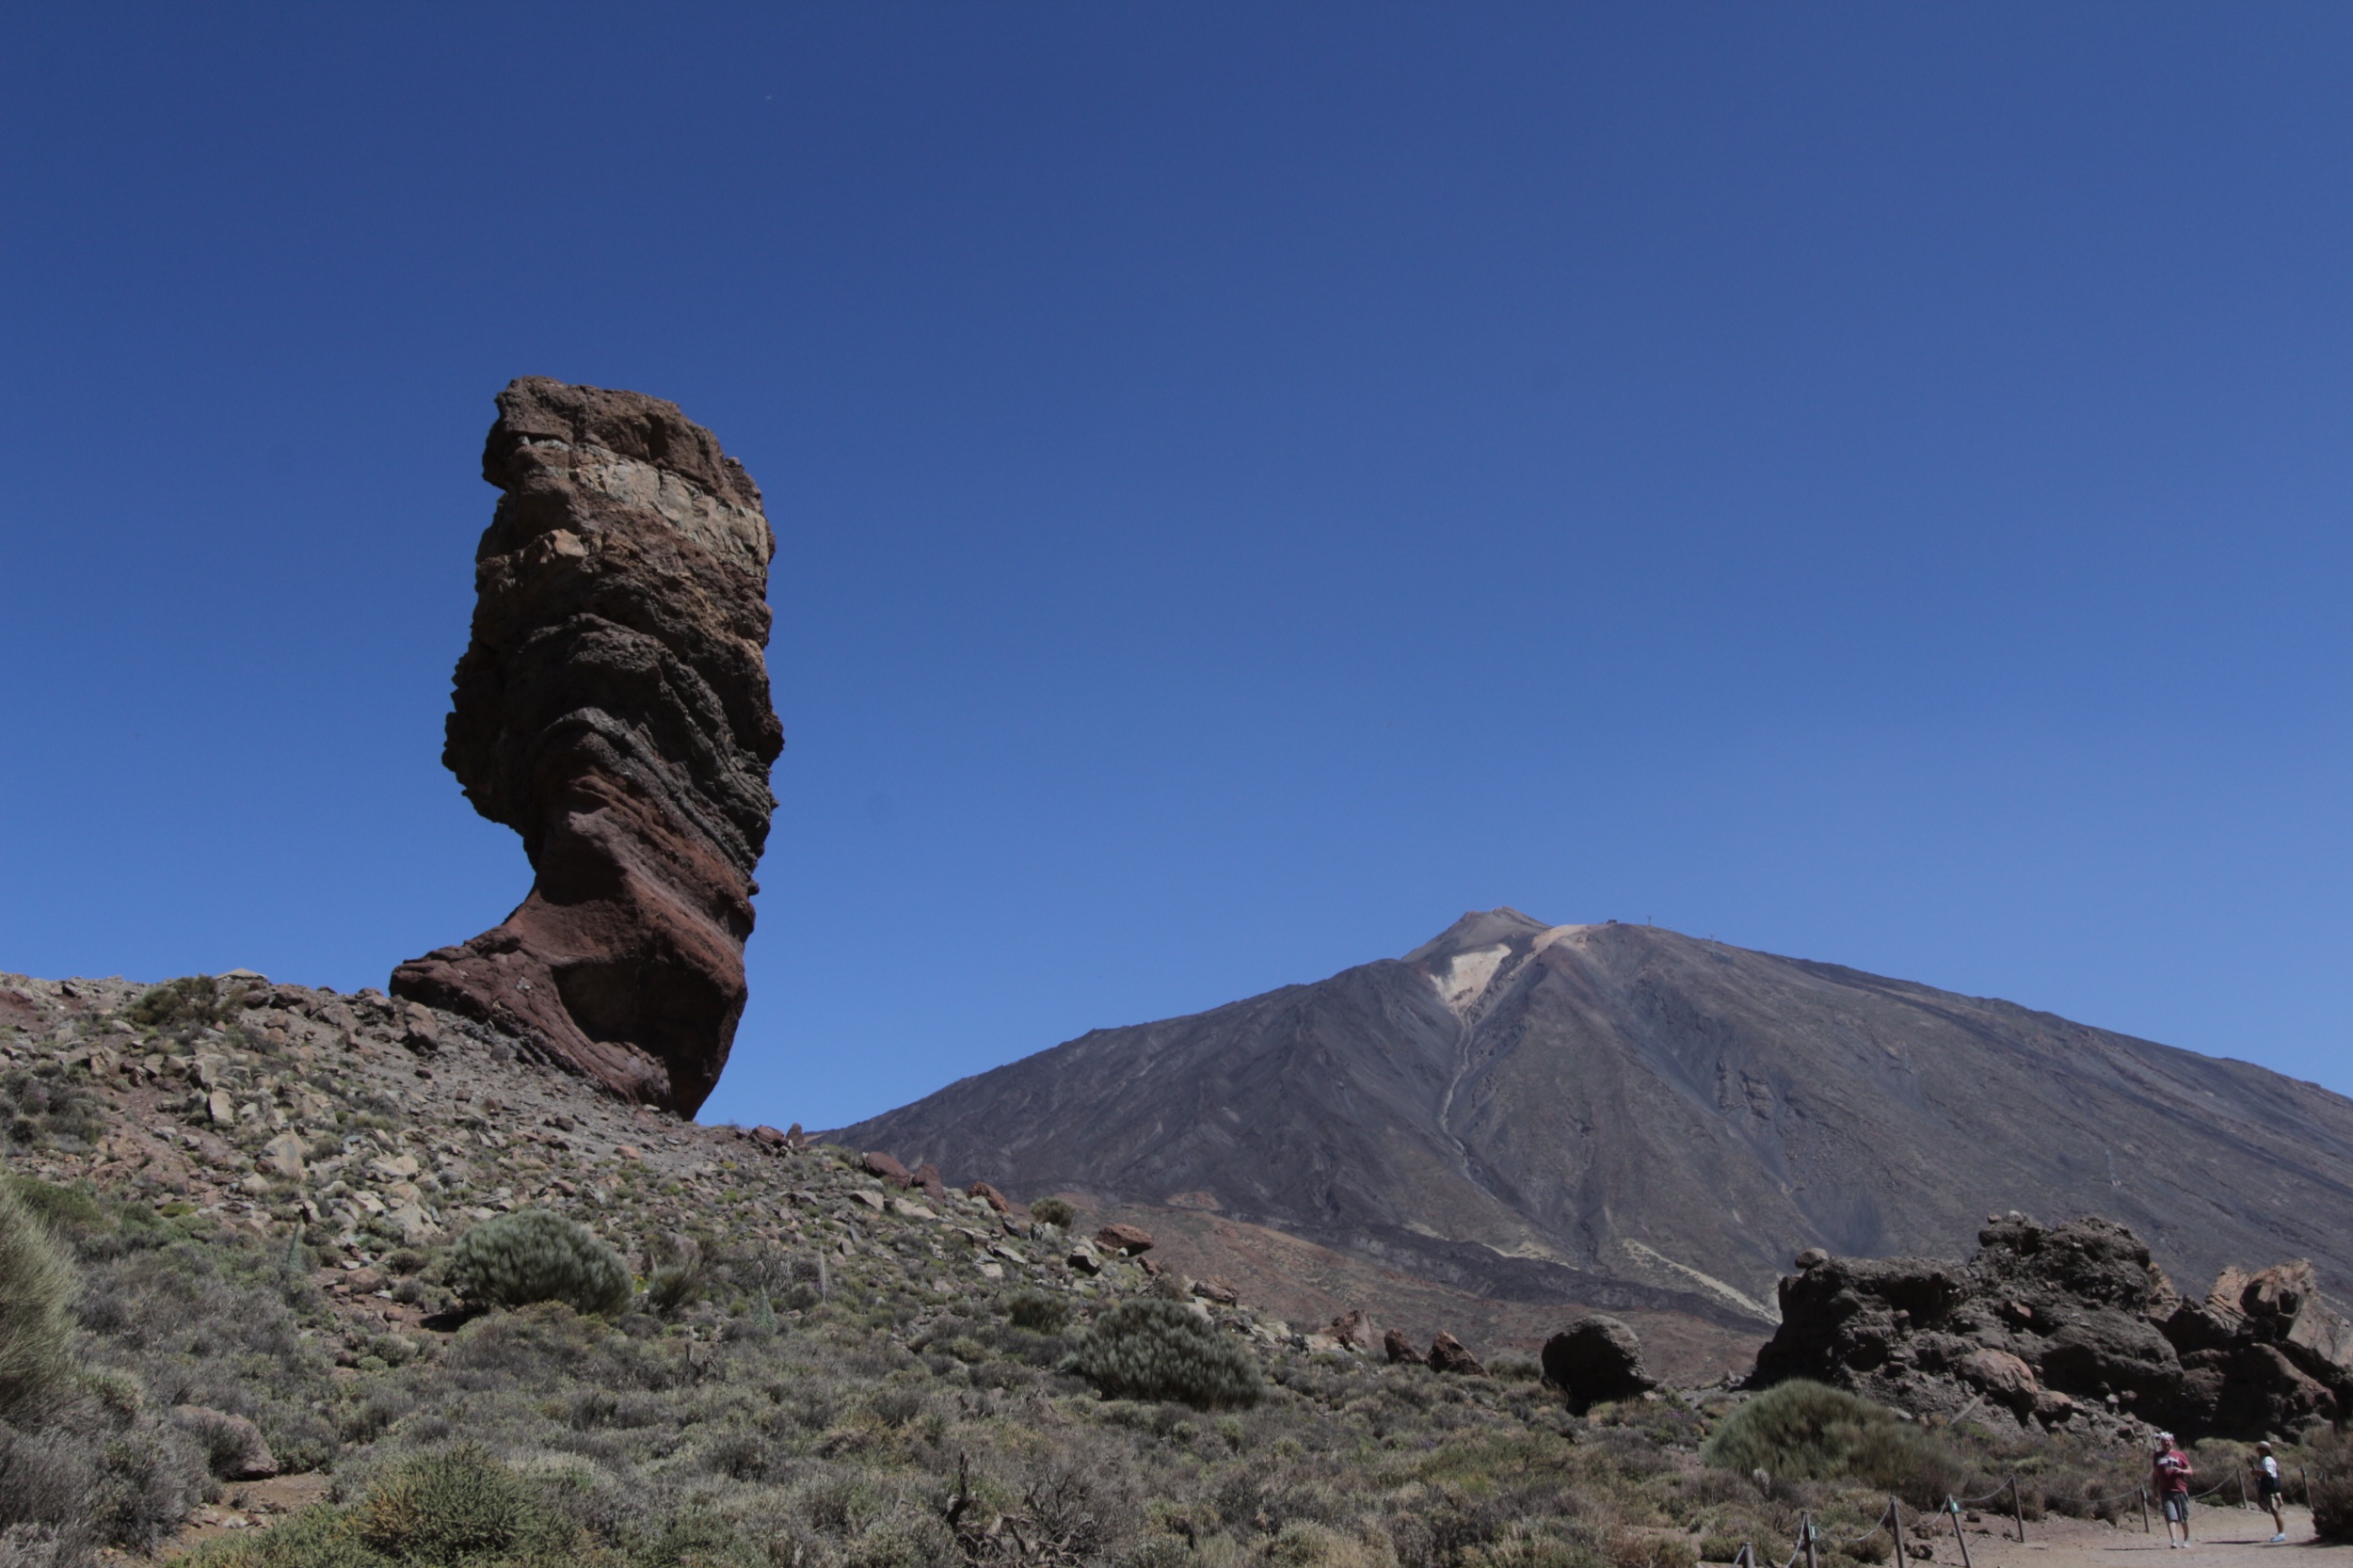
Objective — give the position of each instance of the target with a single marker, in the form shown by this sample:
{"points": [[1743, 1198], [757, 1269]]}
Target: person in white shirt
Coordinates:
{"points": [[2267, 1489]]}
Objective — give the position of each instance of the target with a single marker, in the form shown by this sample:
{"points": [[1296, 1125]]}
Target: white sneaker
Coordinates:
{"points": [[2277, 1539]]}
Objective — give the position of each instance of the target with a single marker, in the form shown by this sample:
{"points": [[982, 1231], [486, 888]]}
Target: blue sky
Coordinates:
{"points": [[1253, 481]]}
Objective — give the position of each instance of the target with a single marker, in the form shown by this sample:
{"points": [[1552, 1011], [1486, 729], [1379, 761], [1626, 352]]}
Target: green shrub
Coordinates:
{"points": [[1157, 1349], [1800, 1431], [42, 1105], [69, 1211], [444, 1508], [35, 1317], [194, 999], [314, 1538], [1052, 1211], [1038, 1312], [535, 1256], [2329, 1472]]}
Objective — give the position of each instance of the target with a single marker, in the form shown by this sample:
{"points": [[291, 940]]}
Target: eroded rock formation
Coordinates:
{"points": [[2067, 1326], [612, 709]]}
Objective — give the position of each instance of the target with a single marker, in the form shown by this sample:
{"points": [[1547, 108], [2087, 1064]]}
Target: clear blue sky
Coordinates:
{"points": [[1865, 482]]}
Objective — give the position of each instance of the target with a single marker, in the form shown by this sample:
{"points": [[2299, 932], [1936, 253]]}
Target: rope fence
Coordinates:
{"points": [[1811, 1536]]}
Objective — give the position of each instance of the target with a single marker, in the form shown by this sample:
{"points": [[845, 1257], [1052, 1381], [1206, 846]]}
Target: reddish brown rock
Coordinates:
{"points": [[1401, 1351], [927, 1176], [1355, 1330], [1448, 1355], [877, 1163], [1131, 1240], [612, 709], [2002, 1376], [769, 1137], [1217, 1290], [990, 1197]]}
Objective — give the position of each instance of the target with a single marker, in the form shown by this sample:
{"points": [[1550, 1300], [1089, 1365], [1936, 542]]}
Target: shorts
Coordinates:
{"points": [[2177, 1508], [2266, 1486]]}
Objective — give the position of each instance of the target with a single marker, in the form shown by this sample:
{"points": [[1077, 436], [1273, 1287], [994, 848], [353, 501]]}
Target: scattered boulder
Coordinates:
{"points": [[1353, 1330], [769, 1137], [1812, 1257], [1217, 1290], [2068, 1325], [1448, 1355], [990, 1197], [876, 1163], [1597, 1360], [2001, 1376], [1130, 1241], [1401, 1351], [612, 708], [282, 1155], [927, 1176]]}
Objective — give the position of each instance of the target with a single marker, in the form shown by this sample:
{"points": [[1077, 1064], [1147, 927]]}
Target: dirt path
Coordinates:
{"points": [[2222, 1535]]}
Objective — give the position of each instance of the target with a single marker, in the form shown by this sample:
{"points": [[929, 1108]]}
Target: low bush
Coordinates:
{"points": [[535, 1256], [1157, 1349], [1052, 1211], [1800, 1431], [449, 1507], [2329, 1472], [1038, 1312], [192, 1000], [39, 1106], [36, 1316]]}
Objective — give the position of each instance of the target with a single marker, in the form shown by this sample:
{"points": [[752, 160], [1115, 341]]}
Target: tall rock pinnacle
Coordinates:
{"points": [[612, 709]]}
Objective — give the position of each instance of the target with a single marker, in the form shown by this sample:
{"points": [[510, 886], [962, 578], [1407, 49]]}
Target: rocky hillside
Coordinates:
{"points": [[266, 1190], [1628, 1118], [263, 1187]]}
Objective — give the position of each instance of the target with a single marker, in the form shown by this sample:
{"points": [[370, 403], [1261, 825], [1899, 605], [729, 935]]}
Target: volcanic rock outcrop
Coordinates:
{"points": [[1597, 1358], [2067, 1326], [612, 709]]}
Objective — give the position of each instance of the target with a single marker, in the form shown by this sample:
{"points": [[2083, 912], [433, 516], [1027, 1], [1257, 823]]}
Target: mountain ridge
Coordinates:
{"points": [[1625, 1116]]}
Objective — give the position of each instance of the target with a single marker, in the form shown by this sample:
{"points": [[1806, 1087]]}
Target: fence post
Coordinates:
{"points": [[1960, 1537], [1805, 1535], [2144, 1511], [2018, 1506]]}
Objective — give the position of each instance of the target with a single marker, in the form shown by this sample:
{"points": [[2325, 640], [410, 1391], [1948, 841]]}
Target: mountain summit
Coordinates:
{"points": [[1625, 1116]]}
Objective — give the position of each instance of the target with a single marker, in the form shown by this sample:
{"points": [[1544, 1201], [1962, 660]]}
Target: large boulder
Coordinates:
{"points": [[1132, 1241], [612, 709], [1595, 1360], [1449, 1355]]}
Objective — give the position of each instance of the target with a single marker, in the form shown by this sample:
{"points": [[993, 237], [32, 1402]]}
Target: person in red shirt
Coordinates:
{"points": [[2169, 1475]]}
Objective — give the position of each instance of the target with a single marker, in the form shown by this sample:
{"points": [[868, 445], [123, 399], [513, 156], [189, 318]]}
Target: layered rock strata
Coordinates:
{"points": [[612, 709], [2069, 1325]]}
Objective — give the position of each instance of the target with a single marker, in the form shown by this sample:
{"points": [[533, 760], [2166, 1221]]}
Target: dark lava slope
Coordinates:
{"points": [[1621, 1116]]}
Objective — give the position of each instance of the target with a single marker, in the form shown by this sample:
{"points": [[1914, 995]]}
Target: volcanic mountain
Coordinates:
{"points": [[1625, 1117]]}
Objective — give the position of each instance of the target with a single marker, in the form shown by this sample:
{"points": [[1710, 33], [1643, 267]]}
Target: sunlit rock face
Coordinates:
{"points": [[612, 708]]}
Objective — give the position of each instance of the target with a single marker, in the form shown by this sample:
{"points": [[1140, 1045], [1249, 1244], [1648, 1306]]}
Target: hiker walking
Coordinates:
{"points": [[2267, 1489], [2171, 1476]]}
